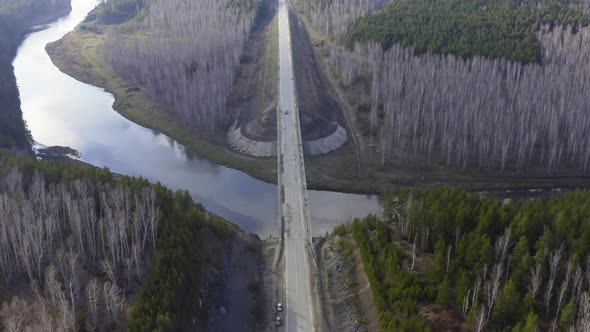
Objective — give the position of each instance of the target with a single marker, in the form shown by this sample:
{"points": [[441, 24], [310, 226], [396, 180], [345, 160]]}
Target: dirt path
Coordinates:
{"points": [[271, 285], [240, 287], [316, 100], [347, 115], [345, 290], [253, 99]]}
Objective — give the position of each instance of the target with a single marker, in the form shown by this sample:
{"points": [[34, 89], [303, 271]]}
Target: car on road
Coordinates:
{"points": [[279, 321], [279, 307]]}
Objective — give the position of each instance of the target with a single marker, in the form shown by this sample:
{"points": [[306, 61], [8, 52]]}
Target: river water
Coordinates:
{"points": [[60, 110]]}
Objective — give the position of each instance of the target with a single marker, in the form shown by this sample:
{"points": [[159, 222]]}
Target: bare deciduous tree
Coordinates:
{"points": [[93, 295], [47, 231], [14, 314], [583, 322], [481, 318], [554, 259], [113, 300], [194, 80], [562, 291], [480, 112], [535, 280]]}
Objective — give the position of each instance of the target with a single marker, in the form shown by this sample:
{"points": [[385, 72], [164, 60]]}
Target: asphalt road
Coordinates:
{"points": [[298, 303]]}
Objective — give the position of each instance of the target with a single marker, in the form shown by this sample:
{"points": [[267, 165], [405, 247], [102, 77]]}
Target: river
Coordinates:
{"points": [[60, 110]]}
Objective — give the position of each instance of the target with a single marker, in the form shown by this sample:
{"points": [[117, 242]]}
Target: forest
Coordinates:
{"points": [[334, 17], [492, 264], [193, 81], [116, 11], [479, 112], [490, 86], [492, 29], [77, 242], [15, 16]]}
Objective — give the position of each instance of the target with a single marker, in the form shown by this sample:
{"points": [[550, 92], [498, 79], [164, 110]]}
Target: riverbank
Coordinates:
{"points": [[421, 173], [79, 55], [48, 17], [218, 281], [16, 20]]}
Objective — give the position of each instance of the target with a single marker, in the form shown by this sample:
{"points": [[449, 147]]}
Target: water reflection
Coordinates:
{"points": [[62, 111]]}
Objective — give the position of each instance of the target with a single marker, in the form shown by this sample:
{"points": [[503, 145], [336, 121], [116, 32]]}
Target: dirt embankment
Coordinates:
{"points": [[254, 95], [345, 291], [272, 284], [237, 293], [318, 106], [247, 286], [239, 286]]}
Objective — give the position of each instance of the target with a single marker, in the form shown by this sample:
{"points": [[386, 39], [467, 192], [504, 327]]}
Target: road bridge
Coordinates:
{"points": [[293, 204]]}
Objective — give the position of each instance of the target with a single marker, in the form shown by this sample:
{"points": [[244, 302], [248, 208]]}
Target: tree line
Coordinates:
{"points": [[479, 112], [334, 17], [116, 11], [177, 293], [185, 54], [492, 29], [15, 15], [496, 265]]}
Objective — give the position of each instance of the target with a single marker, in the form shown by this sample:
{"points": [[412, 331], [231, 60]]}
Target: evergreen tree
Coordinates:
{"points": [[444, 293], [567, 316], [438, 266]]}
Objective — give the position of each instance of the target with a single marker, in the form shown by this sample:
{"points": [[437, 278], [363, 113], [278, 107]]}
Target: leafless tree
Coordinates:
{"points": [[107, 267], [193, 81], [47, 231], [562, 291], [136, 260], [72, 280], [481, 318], [113, 300], [502, 246], [535, 280], [554, 259], [492, 287], [583, 322], [46, 320], [93, 296], [465, 305], [475, 293], [12, 182], [13, 315], [480, 112], [577, 283], [59, 299]]}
